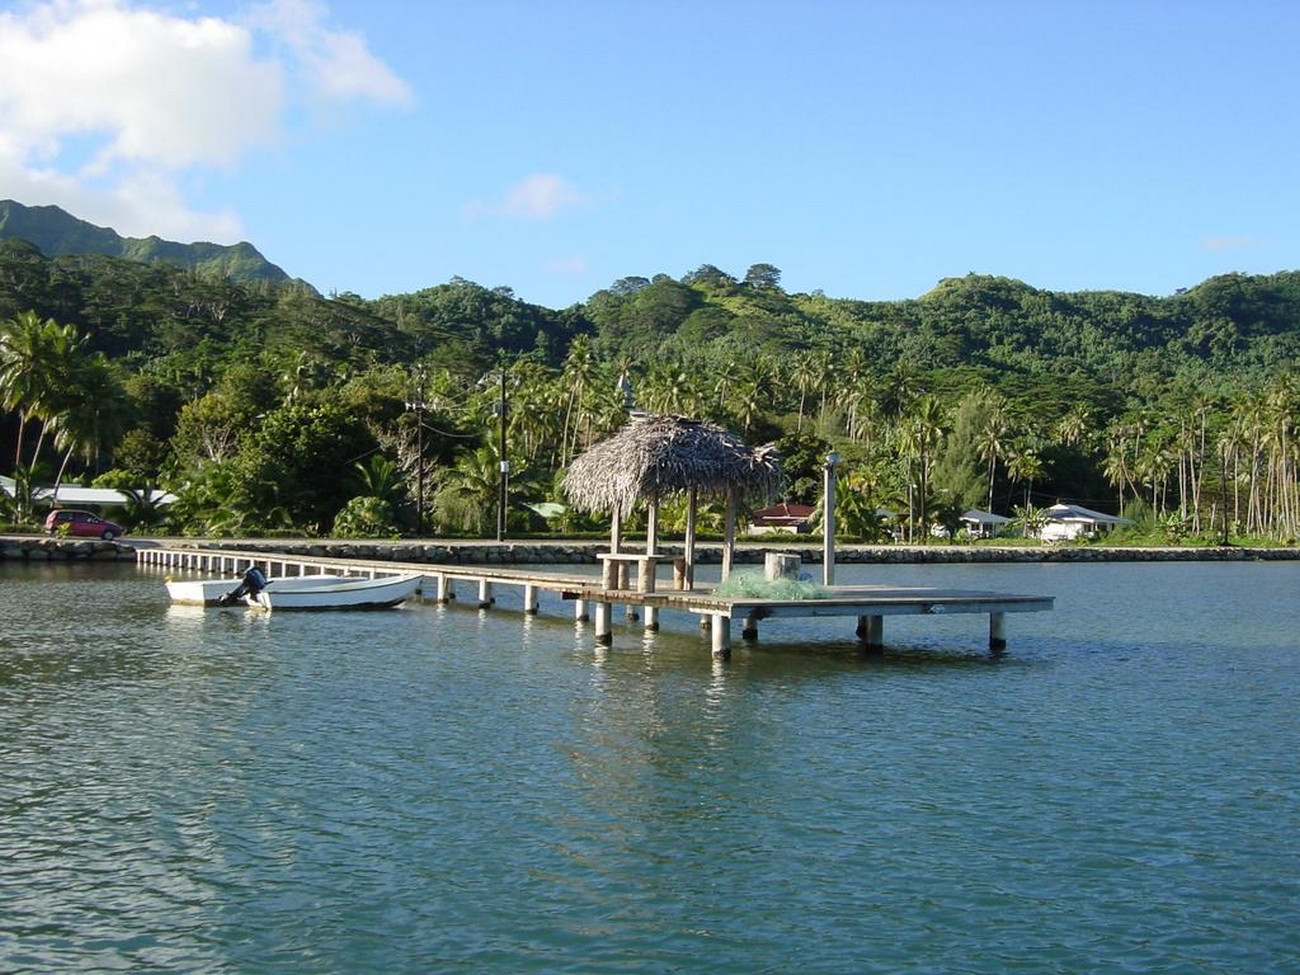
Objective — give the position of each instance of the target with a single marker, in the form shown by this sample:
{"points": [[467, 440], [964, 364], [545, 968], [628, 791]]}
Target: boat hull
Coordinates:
{"points": [[351, 594], [208, 592]]}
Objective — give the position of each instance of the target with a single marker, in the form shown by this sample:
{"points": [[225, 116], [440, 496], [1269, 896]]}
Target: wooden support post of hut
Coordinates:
{"points": [[729, 536], [687, 577], [485, 594]]}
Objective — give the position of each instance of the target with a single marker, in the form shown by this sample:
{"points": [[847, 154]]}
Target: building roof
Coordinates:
{"points": [[655, 455], [74, 494], [984, 517], [782, 514], [1077, 512]]}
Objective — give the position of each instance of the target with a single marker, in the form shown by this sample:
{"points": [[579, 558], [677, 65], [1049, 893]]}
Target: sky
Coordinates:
{"points": [[866, 148]]}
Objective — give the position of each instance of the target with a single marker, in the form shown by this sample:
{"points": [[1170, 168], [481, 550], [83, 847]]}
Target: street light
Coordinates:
{"points": [[828, 520]]}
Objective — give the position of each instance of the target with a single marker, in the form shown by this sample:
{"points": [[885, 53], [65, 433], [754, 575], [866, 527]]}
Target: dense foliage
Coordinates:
{"points": [[271, 408]]}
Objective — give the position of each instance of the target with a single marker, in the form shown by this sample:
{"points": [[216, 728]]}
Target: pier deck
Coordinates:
{"points": [[868, 604]]}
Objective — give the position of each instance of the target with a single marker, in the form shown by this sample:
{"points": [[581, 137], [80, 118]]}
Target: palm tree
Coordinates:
{"points": [[1248, 418], [752, 394], [579, 371], [991, 445], [1025, 467], [469, 493], [36, 360], [1029, 520], [925, 430], [1123, 442], [94, 414], [670, 388], [535, 414], [1073, 428], [803, 374], [380, 478]]}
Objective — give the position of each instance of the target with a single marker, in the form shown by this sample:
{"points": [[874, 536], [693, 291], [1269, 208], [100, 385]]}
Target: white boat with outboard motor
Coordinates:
{"points": [[383, 592], [225, 592]]}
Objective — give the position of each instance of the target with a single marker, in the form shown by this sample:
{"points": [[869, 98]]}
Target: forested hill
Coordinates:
{"points": [[992, 326], [1004, 393], [977, 328], [58, 233]]}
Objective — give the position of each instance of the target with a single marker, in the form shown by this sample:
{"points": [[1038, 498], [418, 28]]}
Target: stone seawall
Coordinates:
{"points": [[28, 549], [23, 548]]}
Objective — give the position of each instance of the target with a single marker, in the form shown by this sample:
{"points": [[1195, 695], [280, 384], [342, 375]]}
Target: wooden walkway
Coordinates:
{"points": [[868, 605]]}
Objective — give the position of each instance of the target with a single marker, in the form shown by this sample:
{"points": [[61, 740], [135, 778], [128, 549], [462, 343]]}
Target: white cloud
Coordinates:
{"points": [[1231, 243], [575, 264], [336, 62], [537, 197], [106, 105]]}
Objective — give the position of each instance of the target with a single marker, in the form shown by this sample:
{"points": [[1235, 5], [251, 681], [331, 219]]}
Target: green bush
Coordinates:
{"points": [[366, 516]]}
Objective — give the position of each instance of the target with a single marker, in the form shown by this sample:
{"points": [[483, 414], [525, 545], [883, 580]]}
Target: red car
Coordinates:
{"points": [[71, 521]]}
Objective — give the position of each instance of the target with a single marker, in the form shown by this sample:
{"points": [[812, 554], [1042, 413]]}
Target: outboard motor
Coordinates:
{"points": [[252, 583], [254, 580]]}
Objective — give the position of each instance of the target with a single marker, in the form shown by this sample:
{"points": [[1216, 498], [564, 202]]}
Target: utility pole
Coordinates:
{"points": [[419, 407], [505, 464], [828, 519], [1223, 489]]}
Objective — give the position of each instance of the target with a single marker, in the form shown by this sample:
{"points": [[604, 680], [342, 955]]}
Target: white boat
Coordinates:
{"points": [[379, 593], [208, 592]]}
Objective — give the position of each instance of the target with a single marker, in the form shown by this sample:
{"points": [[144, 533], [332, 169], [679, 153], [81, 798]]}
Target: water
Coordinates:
{"points": [[447, 790]]}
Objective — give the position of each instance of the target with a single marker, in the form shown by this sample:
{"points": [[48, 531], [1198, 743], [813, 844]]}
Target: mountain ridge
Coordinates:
{"points": [[57, 233]]}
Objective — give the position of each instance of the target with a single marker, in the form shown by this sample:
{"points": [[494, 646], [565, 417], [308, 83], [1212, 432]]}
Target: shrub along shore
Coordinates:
{"points": [[41, 549]]}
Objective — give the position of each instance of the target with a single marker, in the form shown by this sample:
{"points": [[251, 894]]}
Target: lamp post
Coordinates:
{"points": [[828, 520]]}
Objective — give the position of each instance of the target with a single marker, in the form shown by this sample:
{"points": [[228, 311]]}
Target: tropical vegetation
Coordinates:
{"points": [[268, 408]]}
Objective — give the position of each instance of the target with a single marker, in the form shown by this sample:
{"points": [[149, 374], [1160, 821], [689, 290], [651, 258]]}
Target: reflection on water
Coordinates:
{"points": [[442, 788]]}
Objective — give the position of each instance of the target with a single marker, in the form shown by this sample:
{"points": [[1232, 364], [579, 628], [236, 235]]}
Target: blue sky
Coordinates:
{"points": [[867, 149]]}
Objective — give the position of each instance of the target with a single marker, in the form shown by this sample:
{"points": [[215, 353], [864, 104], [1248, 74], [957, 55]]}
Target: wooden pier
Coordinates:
{"points": [[595, 598]]}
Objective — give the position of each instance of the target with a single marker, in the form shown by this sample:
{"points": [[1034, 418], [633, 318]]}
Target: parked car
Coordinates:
{"points": [[71, 521]]}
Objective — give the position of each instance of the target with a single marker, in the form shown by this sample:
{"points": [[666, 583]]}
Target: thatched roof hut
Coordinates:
{"points": [[655, 456]]}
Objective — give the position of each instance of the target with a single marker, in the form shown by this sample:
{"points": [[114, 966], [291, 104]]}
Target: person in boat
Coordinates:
{"points": [[253, 582]]}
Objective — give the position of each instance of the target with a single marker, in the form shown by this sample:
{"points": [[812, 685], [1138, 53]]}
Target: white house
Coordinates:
{"points": [[983, 524], [76, 496], [1069, 521], [781, 518]]}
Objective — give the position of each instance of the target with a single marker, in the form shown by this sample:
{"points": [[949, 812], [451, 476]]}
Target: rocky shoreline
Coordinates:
{"points": [[41, 549]]}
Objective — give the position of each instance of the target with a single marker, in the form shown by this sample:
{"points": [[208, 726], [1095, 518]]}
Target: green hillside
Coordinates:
{"points": [[58, 233], [236, 391]]}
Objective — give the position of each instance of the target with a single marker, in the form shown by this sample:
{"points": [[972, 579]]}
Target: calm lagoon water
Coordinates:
{"points": [[447, 790]]}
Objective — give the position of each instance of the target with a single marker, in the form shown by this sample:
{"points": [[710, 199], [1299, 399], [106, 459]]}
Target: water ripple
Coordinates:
{"points": [[440, 789]]}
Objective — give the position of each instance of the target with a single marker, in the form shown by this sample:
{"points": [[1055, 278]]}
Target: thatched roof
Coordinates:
{"points": [[654, 456]]}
